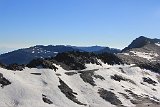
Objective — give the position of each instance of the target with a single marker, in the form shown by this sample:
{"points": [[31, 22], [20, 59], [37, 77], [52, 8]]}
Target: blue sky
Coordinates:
{"points": [[113, 23]]}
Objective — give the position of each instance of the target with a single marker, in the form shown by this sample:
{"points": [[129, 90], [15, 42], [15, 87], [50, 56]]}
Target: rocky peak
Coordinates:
{"points": [[140, 42]]}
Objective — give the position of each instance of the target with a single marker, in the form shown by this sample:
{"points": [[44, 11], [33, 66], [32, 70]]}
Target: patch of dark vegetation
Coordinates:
{"points": [[41, 63], [149, 81], [109, 96], [138, 99], [46, 100], [120, 78], [76, 60], [99, 76], [124, 95], [15, 67], [73, 60], [153, 66], [70, 73], [36, 73], [87, 76], [2, 65], [4, 81], [68, 92], [110, 59]]}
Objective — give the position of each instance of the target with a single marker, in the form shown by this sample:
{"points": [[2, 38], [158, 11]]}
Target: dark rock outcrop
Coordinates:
{"points": [[139, 99], [4, 81], [109, 96], [46, 100], [120, 78], [68, 92], [149, 81], [87, 76]]}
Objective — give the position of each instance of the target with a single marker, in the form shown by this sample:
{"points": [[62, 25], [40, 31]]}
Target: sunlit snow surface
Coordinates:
{"points": [[158, 44], [26, 89]]}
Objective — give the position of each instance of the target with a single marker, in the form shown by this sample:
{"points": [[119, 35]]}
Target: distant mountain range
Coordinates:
{"points": [[24, 56], [72, 77]]}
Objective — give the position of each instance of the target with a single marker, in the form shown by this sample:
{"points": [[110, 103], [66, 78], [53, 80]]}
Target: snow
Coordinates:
{"points": [[145, 55], [158, 44], [26, 89], [126, 53], [56, 52]]}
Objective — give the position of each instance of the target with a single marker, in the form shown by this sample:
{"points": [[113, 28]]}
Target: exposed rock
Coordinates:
{"points": [[138, 99], [70, 73], [149, 81], [46, 100], [87, 76], [99, 76], [4, 81], [36, 73], [68, 92], [120, 78], [109, 96]]}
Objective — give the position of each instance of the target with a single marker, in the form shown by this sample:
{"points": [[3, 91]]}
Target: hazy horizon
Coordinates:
{"points": [[110, 23]]}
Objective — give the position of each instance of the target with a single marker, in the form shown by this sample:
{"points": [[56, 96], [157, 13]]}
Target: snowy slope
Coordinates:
{"points": [[145, 55], [28, 87]]}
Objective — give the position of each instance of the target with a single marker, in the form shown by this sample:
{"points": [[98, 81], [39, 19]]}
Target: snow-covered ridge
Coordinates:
{"points": [[41, 87]]}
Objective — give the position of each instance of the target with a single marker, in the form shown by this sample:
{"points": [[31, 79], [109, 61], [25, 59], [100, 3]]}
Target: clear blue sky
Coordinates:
{"points": [[113, 23]]}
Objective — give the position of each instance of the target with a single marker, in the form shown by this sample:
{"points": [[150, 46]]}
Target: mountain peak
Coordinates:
{"points": [[140, 42]]}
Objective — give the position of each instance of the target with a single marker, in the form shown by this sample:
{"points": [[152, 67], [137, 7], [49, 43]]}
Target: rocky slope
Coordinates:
{"points": [[143, 52]]}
